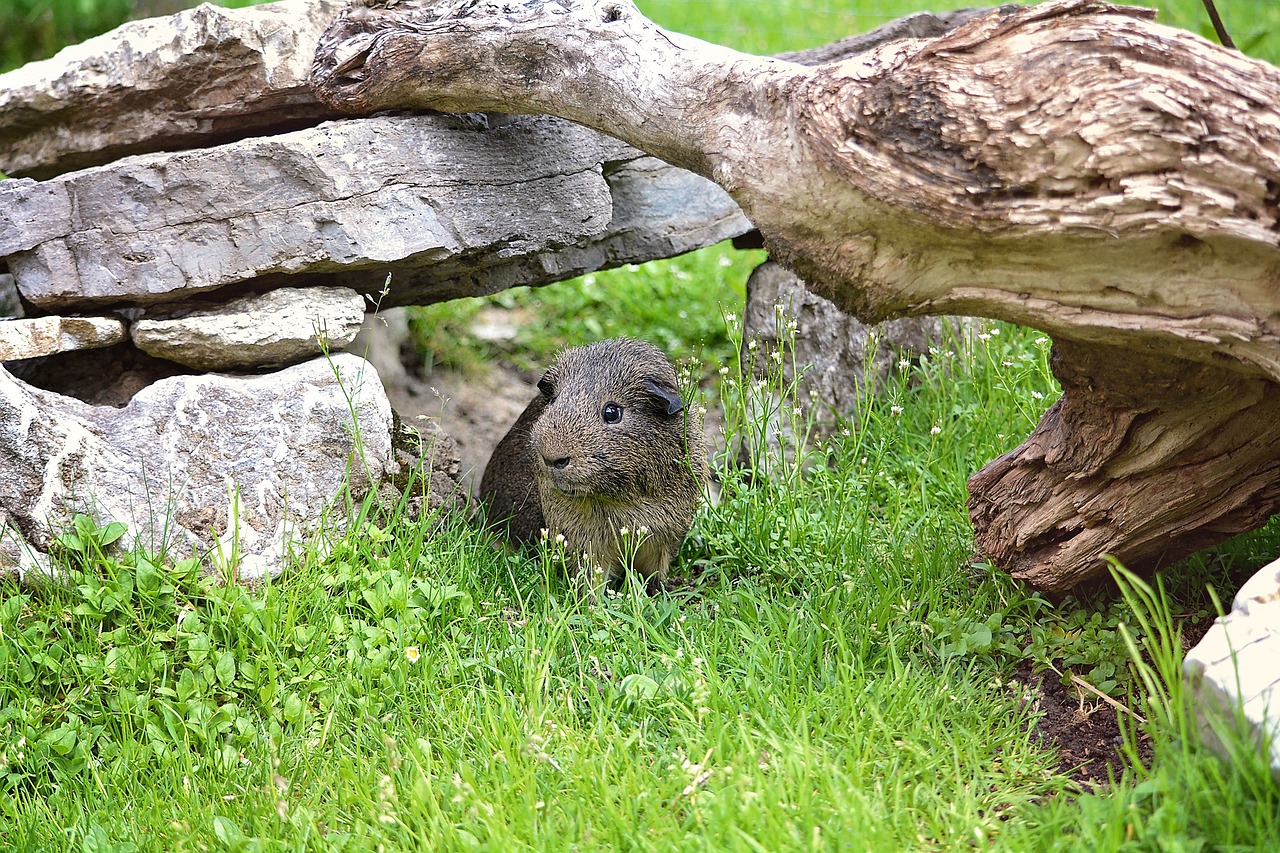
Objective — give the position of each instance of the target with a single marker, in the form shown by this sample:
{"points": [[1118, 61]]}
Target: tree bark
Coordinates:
{"points": [[1071, 166], [1145, 458]]}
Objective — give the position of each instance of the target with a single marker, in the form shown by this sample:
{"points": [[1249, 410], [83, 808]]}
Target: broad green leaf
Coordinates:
{"points": [[639, 688], [226, 670], [111, 533]]}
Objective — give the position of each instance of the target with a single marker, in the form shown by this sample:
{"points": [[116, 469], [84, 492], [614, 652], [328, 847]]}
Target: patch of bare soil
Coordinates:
{"points": [[1084, 729], [477, 410]]}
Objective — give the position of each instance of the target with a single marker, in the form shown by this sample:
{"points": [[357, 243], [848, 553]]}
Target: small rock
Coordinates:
{"points": [[844, 356], [282, 326], [1235, 669], [494, 326], [31, 338], [428, 472]]}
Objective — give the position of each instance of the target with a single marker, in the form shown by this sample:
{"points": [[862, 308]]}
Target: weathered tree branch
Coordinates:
{"points": [[1071, 166]]}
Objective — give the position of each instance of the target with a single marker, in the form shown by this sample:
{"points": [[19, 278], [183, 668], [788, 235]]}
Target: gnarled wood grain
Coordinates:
{"points": [[1143, 457], [1072, 166]]}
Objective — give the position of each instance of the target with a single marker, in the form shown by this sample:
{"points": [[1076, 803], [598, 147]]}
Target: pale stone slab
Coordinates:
{"points": [[281, 326], [659, 211], [447, 205], [203, 76], [32, 337], [358, 194], [1234, 672], [235, 470]]}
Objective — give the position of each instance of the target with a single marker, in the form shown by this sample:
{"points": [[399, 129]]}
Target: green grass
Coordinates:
{"points": [[678, 304], [835, 675]]}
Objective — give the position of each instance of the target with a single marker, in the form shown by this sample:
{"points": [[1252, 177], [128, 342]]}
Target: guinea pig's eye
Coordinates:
{"points": [[611, 413]]}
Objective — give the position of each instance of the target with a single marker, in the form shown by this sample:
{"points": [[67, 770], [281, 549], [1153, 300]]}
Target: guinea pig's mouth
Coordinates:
{"points": [[570, 491], [569, 482]]}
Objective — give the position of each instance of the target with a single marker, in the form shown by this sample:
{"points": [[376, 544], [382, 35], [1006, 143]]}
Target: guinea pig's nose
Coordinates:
{"points": [[559, 464]]}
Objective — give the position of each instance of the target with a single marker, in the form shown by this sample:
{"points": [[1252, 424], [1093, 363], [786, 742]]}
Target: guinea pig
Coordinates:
{"points": [[608, 456]]}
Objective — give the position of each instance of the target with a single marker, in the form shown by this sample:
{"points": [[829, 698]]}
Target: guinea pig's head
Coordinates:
{"points": [[614, 426]]}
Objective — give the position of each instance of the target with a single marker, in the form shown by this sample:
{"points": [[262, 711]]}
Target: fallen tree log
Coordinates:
{"points": [[1071, 166], [207, 76]]}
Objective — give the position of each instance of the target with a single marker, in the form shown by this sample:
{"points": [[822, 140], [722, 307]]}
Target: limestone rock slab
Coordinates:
{"points": [[36, 336], [658, 211], [1234, 671], [449, 206], [356, 194], [199, 77], [281, 326], [232, 469]]}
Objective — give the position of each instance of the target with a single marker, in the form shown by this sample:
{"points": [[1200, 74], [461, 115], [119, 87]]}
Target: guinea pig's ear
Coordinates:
{"points": [[665, 396], [547, 385]]}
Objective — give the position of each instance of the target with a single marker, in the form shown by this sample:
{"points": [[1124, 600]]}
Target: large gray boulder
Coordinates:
{"points": [[236, 470]]}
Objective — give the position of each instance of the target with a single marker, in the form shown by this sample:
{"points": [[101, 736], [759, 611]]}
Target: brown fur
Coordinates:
{"points": [[562, 467]]}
